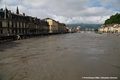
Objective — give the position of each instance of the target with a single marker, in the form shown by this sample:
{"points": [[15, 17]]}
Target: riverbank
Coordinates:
{"points": [[110, 28], [20, 37]]}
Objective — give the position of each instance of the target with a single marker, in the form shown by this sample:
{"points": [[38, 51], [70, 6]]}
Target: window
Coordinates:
{"points": [[1, 27], [0, 24]]}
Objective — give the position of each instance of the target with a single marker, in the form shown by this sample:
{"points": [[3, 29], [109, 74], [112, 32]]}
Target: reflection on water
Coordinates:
{"points": [[61, 57]]}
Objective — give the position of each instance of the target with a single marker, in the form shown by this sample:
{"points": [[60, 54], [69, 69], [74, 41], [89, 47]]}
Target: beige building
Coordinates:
{"points": [[101, 30], [118, 29], [55, 26], [113, 28]]}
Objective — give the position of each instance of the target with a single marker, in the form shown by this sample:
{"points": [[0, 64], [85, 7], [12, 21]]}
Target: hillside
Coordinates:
{"points": [[114, 19]]}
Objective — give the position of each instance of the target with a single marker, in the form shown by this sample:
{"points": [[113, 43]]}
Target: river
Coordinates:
{"points": [[75, 56]]}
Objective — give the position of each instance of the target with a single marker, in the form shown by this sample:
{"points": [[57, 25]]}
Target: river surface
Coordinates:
{"points": [[61, 57]]}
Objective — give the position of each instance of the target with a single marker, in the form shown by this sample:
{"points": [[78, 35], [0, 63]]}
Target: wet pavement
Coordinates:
{"points": [[61, 57]]}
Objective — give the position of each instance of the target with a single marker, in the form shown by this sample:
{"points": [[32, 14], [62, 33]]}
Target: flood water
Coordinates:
{"points": [[61, 57]]}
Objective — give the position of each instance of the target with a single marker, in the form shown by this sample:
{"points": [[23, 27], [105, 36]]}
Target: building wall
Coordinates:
{"points": [[113, 28], [55, 26], [17, 24]]}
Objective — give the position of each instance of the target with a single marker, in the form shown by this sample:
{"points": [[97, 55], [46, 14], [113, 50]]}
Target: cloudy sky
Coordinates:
{"points": [[67, 11]]}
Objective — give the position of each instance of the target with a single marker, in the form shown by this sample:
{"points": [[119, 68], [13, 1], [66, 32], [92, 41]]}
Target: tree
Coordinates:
{"points": [[114, 19]]}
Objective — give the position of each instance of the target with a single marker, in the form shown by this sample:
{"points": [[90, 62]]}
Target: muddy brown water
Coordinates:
{"points": [[61, 57]]}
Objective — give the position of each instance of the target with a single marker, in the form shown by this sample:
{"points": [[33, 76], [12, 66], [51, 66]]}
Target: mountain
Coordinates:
{"points": [[83, 26]]}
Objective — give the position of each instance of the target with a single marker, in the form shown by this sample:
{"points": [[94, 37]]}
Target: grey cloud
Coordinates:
{"points": [[63, 10], [0, 0]]}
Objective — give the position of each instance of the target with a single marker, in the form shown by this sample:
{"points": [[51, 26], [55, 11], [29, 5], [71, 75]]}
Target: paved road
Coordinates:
{"points": [[74, 56]]}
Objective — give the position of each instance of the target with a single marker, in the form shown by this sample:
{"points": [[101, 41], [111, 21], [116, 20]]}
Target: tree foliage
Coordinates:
{"points": [[114, 19]]}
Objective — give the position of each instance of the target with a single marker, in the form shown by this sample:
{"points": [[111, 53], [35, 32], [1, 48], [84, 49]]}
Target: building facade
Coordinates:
{"points": [[55, 26], [20, 24], [16, 24], [111, 28]]}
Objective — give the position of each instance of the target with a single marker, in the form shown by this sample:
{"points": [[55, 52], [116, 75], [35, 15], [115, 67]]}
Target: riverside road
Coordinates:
{"points": [[77, 56]]}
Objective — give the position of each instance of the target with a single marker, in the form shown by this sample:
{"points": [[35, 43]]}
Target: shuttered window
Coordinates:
{"points": [[0, 24]]}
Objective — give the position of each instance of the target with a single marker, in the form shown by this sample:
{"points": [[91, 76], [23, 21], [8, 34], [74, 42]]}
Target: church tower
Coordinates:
{"points": [[17, 11]]}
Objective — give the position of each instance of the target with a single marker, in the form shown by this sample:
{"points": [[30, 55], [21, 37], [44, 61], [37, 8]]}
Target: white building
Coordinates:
{"points": [[114, 28]]}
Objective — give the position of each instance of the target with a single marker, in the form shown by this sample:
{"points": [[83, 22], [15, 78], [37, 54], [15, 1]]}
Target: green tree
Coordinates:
{"points": [[114, 19]]}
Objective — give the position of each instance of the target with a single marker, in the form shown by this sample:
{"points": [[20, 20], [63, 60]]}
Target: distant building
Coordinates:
{"points": [[78, 29], [112, 28], [55, 26]]}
